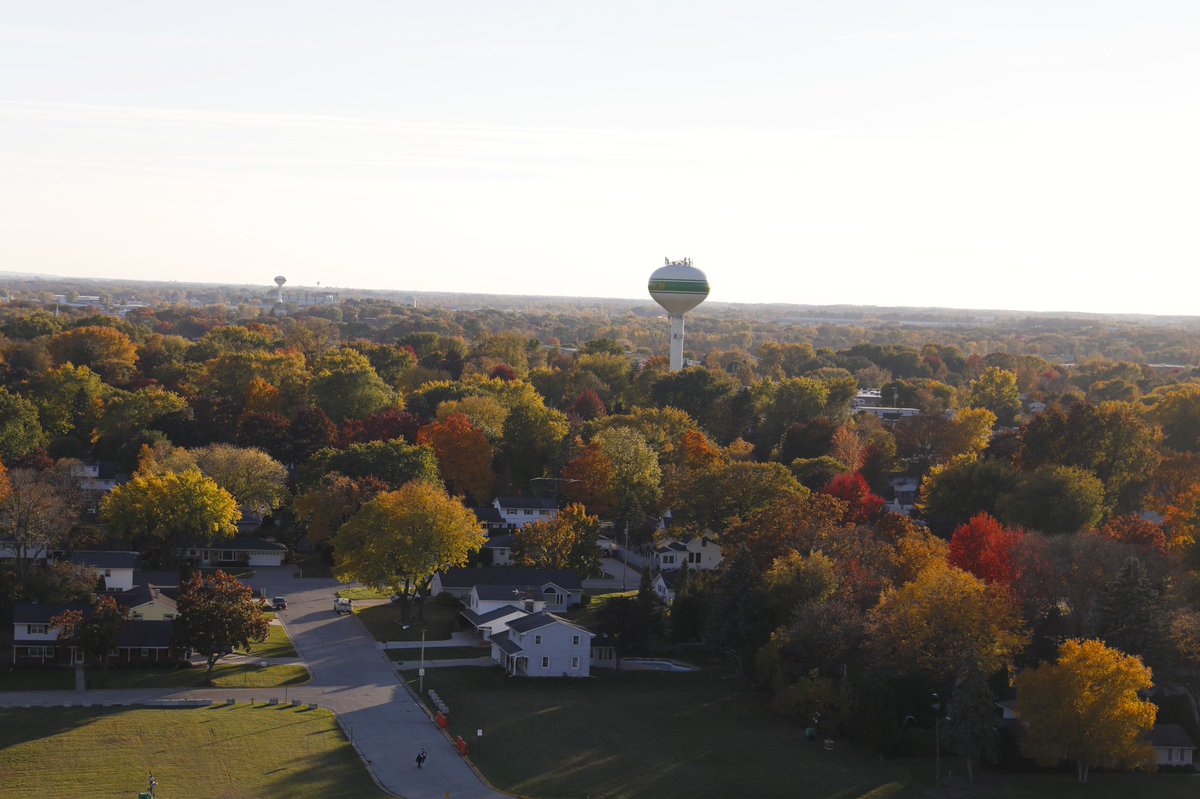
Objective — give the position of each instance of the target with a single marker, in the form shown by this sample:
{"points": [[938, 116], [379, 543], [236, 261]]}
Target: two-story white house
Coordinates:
{"points": [[500, 548], [543, 645], [520, 511], [496, 620], [698, 552], [115, 567]]}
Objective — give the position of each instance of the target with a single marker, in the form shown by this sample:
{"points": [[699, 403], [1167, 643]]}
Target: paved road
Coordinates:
{"points": [[351, 677]]}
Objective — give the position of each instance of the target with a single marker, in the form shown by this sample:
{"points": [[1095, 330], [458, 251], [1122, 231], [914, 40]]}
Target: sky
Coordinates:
{"points": [[1024, 155]]}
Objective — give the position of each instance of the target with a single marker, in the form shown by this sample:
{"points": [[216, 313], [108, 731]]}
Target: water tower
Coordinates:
{"points": [[678, 287], [279, 281]]}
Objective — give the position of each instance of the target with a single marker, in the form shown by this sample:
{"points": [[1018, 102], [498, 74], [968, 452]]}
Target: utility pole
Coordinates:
{"points": [[421, 667]]}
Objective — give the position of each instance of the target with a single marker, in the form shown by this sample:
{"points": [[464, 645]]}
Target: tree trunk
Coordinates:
{"points": [[212, 661], [970, 769], [1083, 770]]}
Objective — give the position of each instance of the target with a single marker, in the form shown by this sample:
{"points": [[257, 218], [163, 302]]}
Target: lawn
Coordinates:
{"points": [[33, 678], [585, 615], [646, 734], [385, 624], [650, 735], [439, 652], [205, 753], [277, 645], [313, 564], [364, 593], [232, 675]]}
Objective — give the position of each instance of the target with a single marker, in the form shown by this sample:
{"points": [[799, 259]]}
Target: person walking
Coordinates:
{"points": [[421, 759]]}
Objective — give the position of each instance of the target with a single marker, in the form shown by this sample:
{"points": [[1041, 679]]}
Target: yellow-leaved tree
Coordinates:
{"points": [[1086, 708], [400, 539]]}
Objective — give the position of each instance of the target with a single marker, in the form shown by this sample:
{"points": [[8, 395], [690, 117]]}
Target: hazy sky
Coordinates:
{"points": [[1036, 155]]}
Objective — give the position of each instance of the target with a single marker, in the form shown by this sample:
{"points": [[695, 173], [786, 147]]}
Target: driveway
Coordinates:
{"points": [[355, 680]]}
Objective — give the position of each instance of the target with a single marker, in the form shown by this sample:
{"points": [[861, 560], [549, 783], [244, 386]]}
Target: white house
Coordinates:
{"points": [[115, 567], [495, 620], [9, 550], [486, 598], [491, 520], [665, 585], [242, 550], [698, 552], [543, 645], [905, 491], [500, 548], [35, 641], [889, 414], [520, 511], [558, 588], [95, 479], [1172, 745]]}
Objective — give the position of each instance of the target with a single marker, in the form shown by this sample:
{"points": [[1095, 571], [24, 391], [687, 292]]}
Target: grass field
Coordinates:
{"points": [[385, 624], [277, 645], [207, 753], [650, 735], [364, 593], [233, 675], [440, 652]]}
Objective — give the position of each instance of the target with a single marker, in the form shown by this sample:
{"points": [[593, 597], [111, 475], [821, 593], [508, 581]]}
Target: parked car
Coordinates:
{"points": [[280, 603], [342, 605]]}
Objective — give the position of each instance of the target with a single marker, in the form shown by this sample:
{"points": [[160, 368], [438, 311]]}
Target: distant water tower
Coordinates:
{"points": [[279, 281], [678, 287]]}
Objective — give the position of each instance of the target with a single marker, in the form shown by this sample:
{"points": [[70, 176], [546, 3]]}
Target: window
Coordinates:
{"points": [[575, 662], [37, 629], [668, 558], [528, 512], [537, 640], [168, 617], [543, 513], [135, 614], [545, 662], [228, 555], [145, 652], [693, 557], [40, 651], [574, 640]]}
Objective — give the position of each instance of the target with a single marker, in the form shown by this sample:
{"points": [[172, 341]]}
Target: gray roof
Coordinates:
{"points": [[105, 560], [504, 541], [141, 594], [506, 643], [36, 613], [489, 515], [671, 578], [541, 619], [527, 502], [483, 618], [511, 577], [1168, 735], [498, 592]]}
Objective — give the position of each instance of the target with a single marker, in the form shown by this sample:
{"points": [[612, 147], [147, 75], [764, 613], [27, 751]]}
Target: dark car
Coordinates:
{"points": [[280, 603]]}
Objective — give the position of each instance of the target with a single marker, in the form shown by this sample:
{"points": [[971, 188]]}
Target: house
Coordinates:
{"points": [[905, 491], [543, 645], [520, 511], [698, 552], [1172, 745], [149, 603], [867, 398], [559, 589], [665, 585], [889, 414], [95, 479], [499, 548], [9, 550], [115, 567], [35, 641], [491, 520], [242, 550]]}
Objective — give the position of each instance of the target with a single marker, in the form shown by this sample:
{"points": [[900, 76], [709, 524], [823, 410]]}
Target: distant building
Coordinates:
{"points": [[115, 567], [889, 414], [520, 511]]}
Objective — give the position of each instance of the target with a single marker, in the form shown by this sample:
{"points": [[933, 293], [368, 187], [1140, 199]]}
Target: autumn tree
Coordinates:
{"points": [[256, 480], [956, 491], [735, 490], [218, 614], [944, 620], [346, 386], [96, 631], [591, 478], [996, 390], [1086, 708], [20, 430], [984, 547], [1054, 499], [170, 509], [400, 539], [464, 456], [1133, 529], [568, 541], [327, 505], [531, 439], [106, 351], [38, 508], [393, 462], [862, 506], [70, 400], [268, 432]]}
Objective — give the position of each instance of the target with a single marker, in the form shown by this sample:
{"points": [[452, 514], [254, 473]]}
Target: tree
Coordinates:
{"points": [[719, 496], [464, 455], [1177, 410], [944, 620], [532, 434], [1054, 499], [401, 538], [996, 390], [393, 462], [256, 480], [954, 492], [791, 400], [106, 351], [218, 614], [971, 730], [20, 430], [591, 478], [862, 507], [70, 400], [1133, 529], [95, 631], [1087, 708], [736, 621], [568, 541], [266, 431], [1132, 614], [345, 386], [170, 509], [311, 430], [329, 504], [984, 547], [37, 511], [636, 473]]}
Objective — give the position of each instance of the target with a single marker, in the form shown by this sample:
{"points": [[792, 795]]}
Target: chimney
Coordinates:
{"points": [[529, 605]]}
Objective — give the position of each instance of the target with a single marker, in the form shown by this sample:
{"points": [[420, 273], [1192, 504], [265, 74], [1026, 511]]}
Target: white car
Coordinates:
{"points": [[342, 605]]}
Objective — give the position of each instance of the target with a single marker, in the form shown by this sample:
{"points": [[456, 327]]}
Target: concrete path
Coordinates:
{"points": [[350, 676]]}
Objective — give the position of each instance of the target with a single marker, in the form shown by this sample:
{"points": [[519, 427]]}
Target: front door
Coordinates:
{"points": [[77, 656]]}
